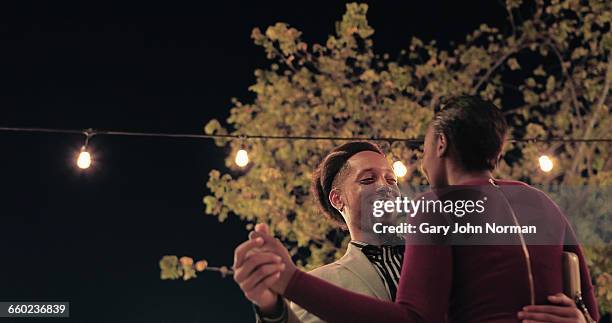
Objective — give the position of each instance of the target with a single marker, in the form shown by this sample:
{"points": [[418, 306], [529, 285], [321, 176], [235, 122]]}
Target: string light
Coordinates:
{"points": [[399, 169], [242, 158], [546, 163], [84, 159]]}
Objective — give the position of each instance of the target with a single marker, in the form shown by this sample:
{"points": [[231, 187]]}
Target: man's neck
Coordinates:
{"points": [[374, 239], [358, 235]]}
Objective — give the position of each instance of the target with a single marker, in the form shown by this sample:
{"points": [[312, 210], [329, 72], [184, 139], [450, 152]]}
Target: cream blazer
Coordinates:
{"points": [[353, 272]]}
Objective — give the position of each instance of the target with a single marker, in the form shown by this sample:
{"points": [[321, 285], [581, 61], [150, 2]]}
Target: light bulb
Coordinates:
{"points": [[242, 158], [84, 160], [546, 164], [399, 169]]}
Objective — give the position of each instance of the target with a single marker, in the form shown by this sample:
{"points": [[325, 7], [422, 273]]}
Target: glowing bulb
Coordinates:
{"points": [[399, 169], [84, 160], [546, 164], [242, 158]]}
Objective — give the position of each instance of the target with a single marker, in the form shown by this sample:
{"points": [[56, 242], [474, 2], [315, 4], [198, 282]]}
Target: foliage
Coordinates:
{"points": [[174, 268], [551, 73]]}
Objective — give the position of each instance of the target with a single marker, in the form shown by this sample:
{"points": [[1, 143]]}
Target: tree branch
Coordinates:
{"points": [[595, 116], [566, 75], [519, 46]]}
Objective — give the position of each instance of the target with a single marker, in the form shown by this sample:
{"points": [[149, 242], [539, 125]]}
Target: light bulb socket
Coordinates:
{"points": [[88, 134]]}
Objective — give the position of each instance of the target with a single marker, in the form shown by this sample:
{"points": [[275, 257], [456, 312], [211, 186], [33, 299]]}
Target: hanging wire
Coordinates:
{"points": [[90, 132]]}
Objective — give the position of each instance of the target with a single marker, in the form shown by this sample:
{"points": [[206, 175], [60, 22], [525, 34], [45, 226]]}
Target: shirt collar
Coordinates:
{"points": [[370, 248]]}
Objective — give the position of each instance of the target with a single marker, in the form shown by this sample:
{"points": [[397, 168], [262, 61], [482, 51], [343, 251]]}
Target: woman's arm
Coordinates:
{"points": [[423, 291], [422, 296]]}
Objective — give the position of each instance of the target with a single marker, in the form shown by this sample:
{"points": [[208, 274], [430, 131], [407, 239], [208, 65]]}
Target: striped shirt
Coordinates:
{"points": [[387, 261]]}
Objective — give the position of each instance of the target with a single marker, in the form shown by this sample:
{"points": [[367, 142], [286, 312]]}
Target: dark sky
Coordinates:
{"points": [[95, 238]]}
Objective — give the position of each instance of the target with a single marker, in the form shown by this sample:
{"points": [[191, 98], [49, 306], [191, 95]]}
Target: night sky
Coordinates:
{"points": [[95, 238]]}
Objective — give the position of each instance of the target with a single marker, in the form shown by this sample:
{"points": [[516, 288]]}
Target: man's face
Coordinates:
{"points": [[370, 178], [431, 164]]}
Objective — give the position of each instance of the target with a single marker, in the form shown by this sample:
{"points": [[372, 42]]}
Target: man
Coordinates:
{"points": [[462, 146], [348, 179]]}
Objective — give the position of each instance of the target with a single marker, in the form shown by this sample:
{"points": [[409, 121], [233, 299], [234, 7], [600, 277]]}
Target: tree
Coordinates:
{"points": [[551, 73]]}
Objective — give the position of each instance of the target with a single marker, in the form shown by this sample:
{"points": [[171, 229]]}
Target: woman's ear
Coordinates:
{"points": [[441, 145], [500, 155], [499, 159], [336, 200]]}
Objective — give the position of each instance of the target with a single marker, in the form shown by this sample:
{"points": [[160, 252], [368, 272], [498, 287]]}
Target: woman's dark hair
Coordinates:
{"points": [[331, 171], [475, 130]]}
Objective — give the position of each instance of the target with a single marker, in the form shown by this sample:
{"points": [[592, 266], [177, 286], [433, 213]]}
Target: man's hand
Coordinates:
{"points": [[254, 271], [566, 311], [275, 246]]}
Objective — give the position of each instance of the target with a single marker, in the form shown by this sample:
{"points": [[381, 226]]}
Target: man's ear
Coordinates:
{"points": [[336, 200], [441, 145]]}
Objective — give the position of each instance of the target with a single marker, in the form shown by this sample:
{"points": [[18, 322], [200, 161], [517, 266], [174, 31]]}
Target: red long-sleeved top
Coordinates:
{"points": [[449, 283]]}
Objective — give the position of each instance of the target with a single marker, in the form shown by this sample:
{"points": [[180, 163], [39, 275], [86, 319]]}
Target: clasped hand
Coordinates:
{"points": [[262, 268]]}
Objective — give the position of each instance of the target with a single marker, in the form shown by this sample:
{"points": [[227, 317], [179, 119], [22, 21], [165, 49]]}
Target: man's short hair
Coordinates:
{"points": [[331, 172], [475, 130]]}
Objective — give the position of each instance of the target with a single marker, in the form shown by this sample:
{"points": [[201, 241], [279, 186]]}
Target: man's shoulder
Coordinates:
{"points": [[328, 271], [337, 273], [342, 269]]}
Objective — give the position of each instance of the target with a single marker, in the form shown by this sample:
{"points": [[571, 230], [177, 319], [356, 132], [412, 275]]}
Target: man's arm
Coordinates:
{"points": [[276, 314], [588, 293], [563, 310], [288, 314]]}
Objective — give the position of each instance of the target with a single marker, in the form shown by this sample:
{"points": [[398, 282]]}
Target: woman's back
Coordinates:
{"points": [[495, 279], [492, 282]]}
